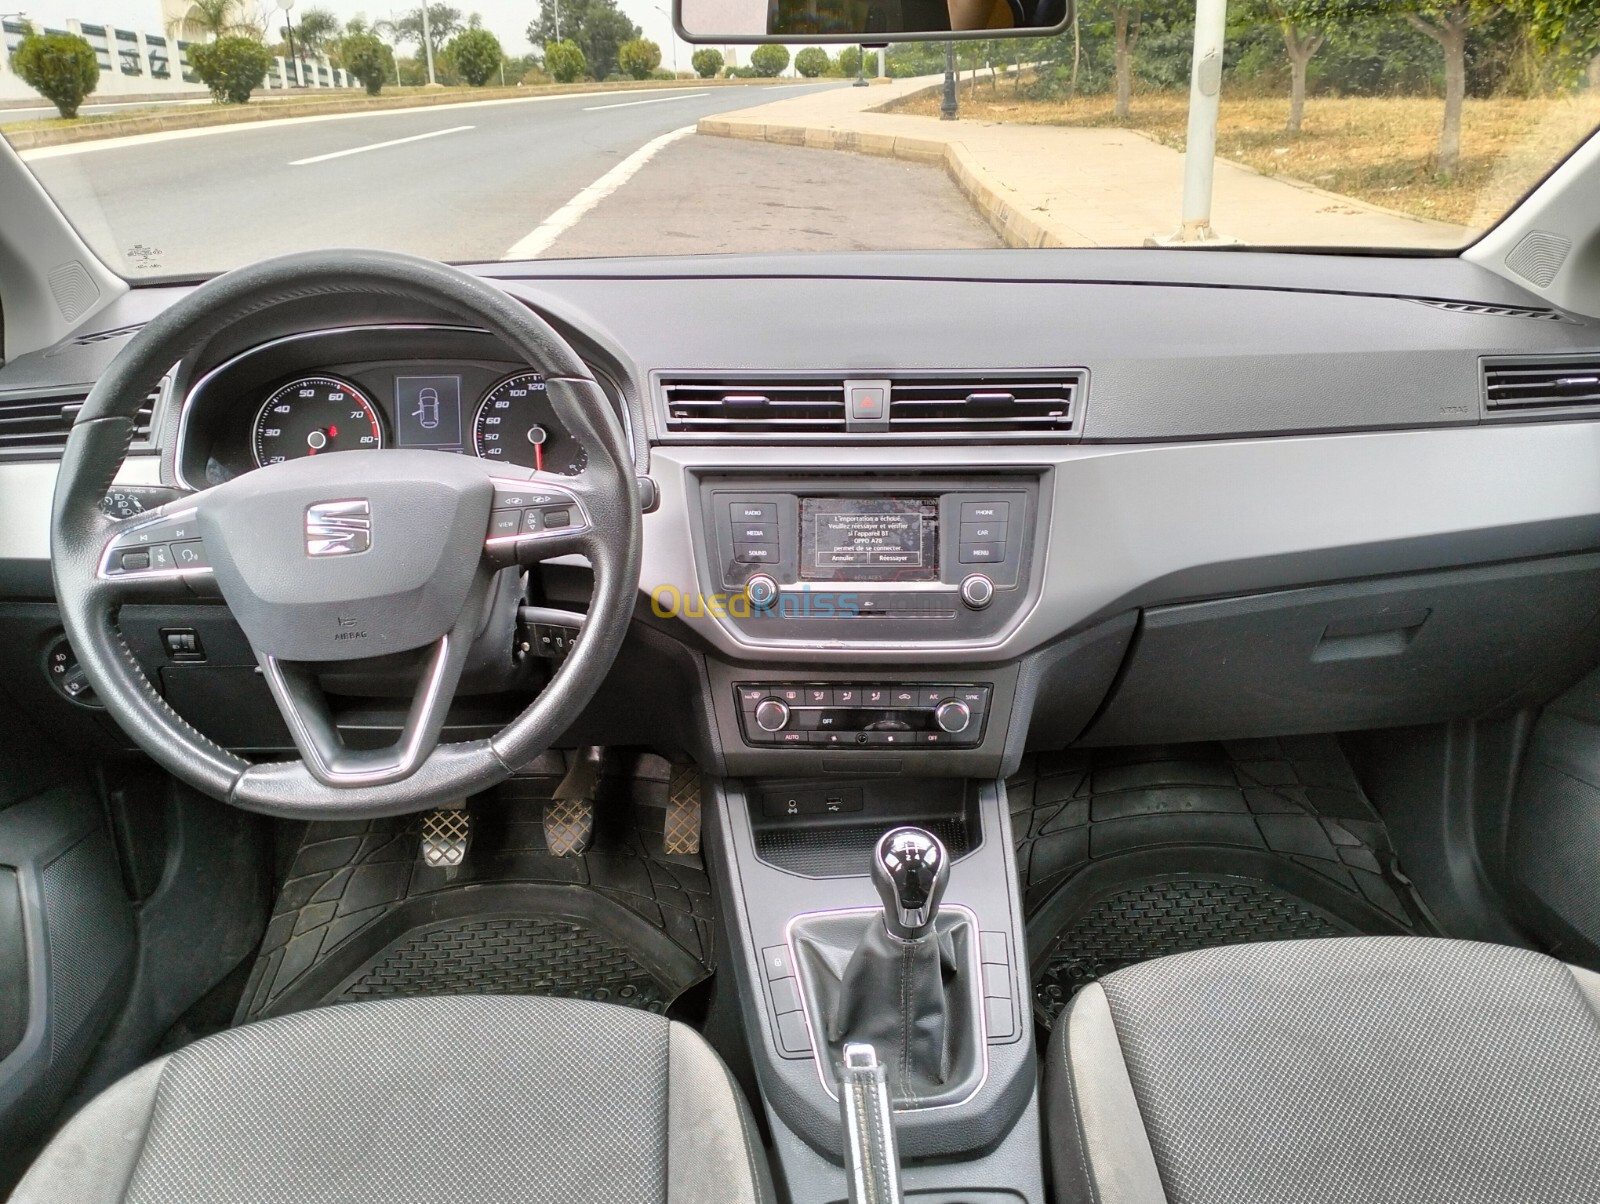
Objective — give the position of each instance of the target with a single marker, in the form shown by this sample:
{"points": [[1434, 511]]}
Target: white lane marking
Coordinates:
{"points": [[206, 131], [356, 150], [660, 100], [564, 218]]}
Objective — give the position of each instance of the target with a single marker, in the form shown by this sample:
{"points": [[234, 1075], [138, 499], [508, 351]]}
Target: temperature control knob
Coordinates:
{"points": [[771, 715], [952, 715]]}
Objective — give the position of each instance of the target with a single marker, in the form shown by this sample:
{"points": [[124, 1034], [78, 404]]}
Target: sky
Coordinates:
{"points": [[507, 18]]}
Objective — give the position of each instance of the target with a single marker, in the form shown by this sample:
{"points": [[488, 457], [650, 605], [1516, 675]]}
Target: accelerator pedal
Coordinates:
{"points": [[446, 833], [681, 832], [569, 815]]}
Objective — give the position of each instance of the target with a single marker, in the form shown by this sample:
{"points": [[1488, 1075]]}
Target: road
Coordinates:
{"points": [[478, 181]]}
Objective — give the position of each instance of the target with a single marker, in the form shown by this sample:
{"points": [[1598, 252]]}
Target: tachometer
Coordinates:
{"points": [[313, 416], [516, 424]]}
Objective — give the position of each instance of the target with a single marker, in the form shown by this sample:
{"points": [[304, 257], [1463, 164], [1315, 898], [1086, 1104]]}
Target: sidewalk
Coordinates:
{"points": [[1060, 186]]}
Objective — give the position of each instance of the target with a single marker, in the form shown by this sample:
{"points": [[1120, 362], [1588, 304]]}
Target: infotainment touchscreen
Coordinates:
{"points": [[869, 539]]}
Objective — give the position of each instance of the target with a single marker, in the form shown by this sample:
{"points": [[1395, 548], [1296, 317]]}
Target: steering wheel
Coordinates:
{"points": [[340, 557]]}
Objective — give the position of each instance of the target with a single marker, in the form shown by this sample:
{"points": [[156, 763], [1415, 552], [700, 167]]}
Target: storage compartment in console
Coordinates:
{"points": [[1416, 649], [828, 828]]}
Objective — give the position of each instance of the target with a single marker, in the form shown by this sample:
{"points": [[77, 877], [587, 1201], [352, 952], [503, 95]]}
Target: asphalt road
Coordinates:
{"points": [[458, 183]]}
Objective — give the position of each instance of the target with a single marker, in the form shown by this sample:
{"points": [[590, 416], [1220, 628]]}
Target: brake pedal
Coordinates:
{"points": [[446, 833], [681, 829], [569, 815]]}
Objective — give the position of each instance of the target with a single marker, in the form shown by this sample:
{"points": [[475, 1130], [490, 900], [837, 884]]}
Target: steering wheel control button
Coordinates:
{"points": [[191, 554], [504, 522], [761, 589], [772, 715], [134, 562], [160, 556], [977, 591], [554, 519], [182, 644], [952, 716]]}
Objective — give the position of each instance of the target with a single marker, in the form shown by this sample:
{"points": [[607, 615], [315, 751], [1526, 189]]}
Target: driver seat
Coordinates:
{"points": [[468, 1099]]}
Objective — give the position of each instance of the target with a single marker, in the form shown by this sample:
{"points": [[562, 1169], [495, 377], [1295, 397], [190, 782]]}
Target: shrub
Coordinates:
{"points": [[811, 62], [663, 73], [706, 62], [564, 61], [61, 67], [769, 60], [850, 62], [366, 58], [231, 68], [477, 55], [639, 57]]}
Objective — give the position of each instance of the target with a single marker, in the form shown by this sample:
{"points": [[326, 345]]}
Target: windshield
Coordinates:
{"points": [[186, 138]]}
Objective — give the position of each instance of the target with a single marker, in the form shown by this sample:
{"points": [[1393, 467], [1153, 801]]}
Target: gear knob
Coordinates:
{"points": [[910, 868]]}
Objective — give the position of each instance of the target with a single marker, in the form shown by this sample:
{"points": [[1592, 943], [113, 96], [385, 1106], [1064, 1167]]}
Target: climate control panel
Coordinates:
{"points": [[851, 714]]}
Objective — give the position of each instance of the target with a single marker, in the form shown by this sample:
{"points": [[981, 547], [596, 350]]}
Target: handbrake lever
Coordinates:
{"points": [[871, 1155]]}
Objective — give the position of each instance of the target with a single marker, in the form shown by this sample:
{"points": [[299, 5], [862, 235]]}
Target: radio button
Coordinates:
{"points": [[983, 512], [753, 512], [982, 553]]}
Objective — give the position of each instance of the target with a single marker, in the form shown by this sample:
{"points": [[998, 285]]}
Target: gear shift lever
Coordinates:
{"points": [[910, 868]]}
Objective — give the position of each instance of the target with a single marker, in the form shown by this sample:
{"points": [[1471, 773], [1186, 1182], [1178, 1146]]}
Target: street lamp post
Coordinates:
{"points": [[672, 36], [949, 106], [861, 67], [427, 43], [288, 28]]}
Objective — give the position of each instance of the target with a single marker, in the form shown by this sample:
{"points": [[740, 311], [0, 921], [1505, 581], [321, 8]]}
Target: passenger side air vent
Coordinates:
{"points": [[1534, 312], [35, 428], [764, 407], [987, 405], [1555, 384]]}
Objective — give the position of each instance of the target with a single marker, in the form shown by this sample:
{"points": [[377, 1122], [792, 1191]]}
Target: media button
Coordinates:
{"points": [[755, 533]]}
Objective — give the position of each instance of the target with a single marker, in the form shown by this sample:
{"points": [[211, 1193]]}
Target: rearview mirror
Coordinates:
{"points": [[870, 21]]}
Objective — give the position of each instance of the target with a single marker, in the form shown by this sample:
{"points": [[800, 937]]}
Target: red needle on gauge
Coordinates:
{"points": [[538, 457]]}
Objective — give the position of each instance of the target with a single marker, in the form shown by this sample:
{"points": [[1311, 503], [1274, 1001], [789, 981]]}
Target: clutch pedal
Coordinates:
{"points": [[446, 833], [681, 829]]}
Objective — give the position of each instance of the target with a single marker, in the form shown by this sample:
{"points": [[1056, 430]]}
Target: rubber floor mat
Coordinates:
{"points": [[1129, 854], [361, 916]]}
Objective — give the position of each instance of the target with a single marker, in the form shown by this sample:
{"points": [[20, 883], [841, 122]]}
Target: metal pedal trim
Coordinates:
{"points": [[446, 835]]}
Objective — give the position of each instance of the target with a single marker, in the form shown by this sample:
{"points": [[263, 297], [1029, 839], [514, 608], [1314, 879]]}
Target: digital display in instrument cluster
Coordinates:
{"points": [[869, 539], [427, 411]]}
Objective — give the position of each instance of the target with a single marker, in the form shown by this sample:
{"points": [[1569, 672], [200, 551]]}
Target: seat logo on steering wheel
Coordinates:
{"points": [[340, 528]]}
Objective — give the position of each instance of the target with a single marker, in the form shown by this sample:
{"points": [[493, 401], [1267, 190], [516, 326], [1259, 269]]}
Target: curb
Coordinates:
{"points": [[1015, 227], [274, 110]]}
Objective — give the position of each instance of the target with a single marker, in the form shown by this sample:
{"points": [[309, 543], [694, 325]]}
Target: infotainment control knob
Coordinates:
{"points": [[761, 589], [977, 591], [952, 715], [772, 715]]}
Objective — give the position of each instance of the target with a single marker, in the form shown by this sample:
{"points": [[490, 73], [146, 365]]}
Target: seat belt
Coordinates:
{"points": [[871, 1156]]}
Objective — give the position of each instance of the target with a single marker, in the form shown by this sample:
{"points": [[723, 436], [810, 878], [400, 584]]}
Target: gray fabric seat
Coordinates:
{"points": [[491, 1099], [1361, 1069]]}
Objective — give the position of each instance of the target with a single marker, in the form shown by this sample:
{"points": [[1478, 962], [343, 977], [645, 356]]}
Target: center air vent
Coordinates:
{"points": [[767, 407], [1515, 385], [35, 427], [1028, 406], [988, 405]]}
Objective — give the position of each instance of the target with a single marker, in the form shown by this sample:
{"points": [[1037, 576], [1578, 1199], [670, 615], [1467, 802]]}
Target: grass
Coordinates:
{"points": [[1380, 150]]}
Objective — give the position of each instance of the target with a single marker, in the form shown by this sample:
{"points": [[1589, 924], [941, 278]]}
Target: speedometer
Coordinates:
{"points": [[516, 424], [313, 416]]}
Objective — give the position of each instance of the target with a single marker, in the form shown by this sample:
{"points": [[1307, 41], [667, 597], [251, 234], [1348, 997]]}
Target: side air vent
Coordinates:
{"points": [[1525, 385], [1536, 313], [762, 407], [987, 405], [35, 428]]}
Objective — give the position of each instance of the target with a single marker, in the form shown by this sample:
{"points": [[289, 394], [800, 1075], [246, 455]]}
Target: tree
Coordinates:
{"points": [[850, 62], [811, 62], [598, 27], [1568, 30], [564, 61], [477, 55], [769, 60], [1305, 27], [1448, 22], [1126, 18], [444, 23], [639, 57], [215, 19], [231, 67], [61, 67], [317, 31], [707, 62], [366, 58]]}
